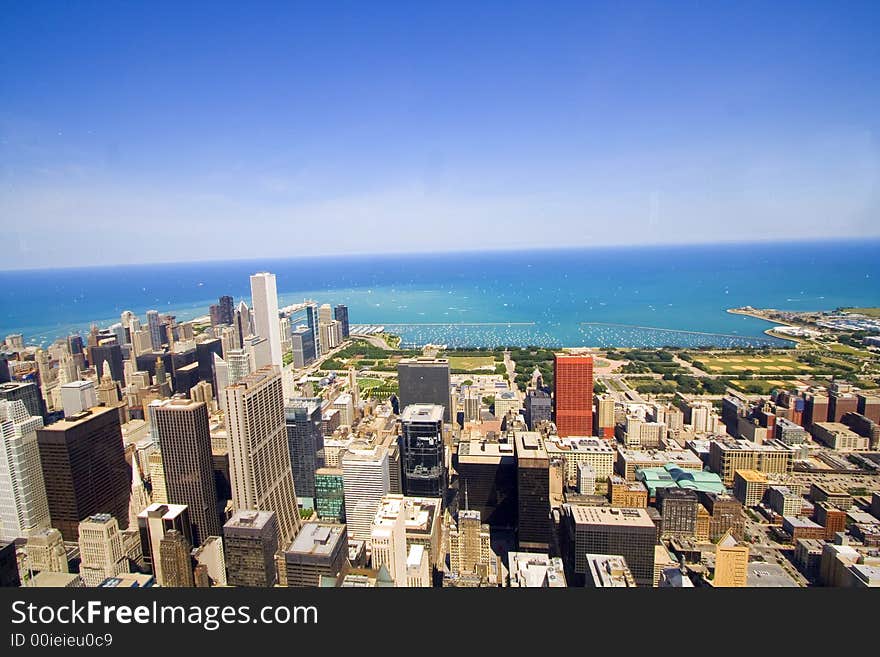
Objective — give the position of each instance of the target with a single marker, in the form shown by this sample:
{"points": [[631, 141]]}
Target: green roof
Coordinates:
{"points": [[671, 475]]}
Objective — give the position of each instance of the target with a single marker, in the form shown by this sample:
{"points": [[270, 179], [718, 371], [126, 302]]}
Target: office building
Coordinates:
{"points": [[869, 406], [424, 463], [573, 392], [425, 381], [629, 494], [320, 549], [259, 456], [586, 481], [678, 507], [529, 570], [250, 541], [183, 431], [575, 450], [8, 565], [24, 507], [630, 533], [608, 571], [101, 550], [365, 473], [210, 555], [749, 487], [533, 492], [731, 563], [26, 392], [84, 469], [488, 478], [605, 419], [470, 552], [538, 407], [629, 460], [302, 341], [726, 456], [340, 314], [305, 441], [153, 523], [175, 555], [838, 436], [330, 494], [832, 519], [388, 538], [264, 296]]}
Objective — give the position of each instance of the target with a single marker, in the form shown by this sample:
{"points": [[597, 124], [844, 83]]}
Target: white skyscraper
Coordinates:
{"points": [[23, 505], [259, 457], [100, 548], [78, 396], [388, 538], [365, 479], [264, 296]]}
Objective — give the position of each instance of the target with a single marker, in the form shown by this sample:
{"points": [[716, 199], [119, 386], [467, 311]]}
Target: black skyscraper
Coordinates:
{"points": [[340, 313], [424, 465]]}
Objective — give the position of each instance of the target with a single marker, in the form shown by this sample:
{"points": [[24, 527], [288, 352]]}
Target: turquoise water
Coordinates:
{"points": [[636, 296]]}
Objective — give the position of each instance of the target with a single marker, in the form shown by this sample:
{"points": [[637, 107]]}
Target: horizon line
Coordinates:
{"points": [[508, 249]]}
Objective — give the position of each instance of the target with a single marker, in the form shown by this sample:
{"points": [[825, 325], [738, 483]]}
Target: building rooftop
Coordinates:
{"points": [[71, 421], [164, 511], [768, 575], [481, 450], [248, 519], [578, 444], [601, 515], [609, 571], [422, 413], [751, 476], [318, 538]]}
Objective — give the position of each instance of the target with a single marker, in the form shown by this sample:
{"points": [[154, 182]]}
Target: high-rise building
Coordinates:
{"points": [[108, 354], [264, 296], [320, 549], [305, 441], [388, 538], [250, 540], [8, 565], [27, 392], [302, 341], [731, 563], [678, 507], [101, 550], [365, 473], [24, 507], [869, 406], [175, 554], [629, 533], [314, 324], [340, 314], [425, 381], [155, 328], [470, 552], [154, 523], [538, 406], [182, 429], [226, 311], [259, 456], [533, 492], [488, 479], [424, 463], [573, 383], [605, 419], [258, 350], [84, 469], [330, 494]]}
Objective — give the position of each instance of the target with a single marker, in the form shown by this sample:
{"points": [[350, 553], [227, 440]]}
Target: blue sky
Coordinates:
{"points": [[178, 131]]}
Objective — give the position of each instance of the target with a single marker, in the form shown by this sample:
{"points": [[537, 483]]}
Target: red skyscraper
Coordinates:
{"points": [[573, 383]]}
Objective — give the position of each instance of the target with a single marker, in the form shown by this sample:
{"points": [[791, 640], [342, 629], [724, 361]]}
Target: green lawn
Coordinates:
{"points": [[471, 362], [366, 384], [759, 364], [870, 312]]}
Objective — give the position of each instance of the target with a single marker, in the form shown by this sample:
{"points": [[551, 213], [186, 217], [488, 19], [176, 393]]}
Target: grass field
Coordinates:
{"points": [[471, 362], [736, 364], [368, 384], [870, 312], [761, 386]]}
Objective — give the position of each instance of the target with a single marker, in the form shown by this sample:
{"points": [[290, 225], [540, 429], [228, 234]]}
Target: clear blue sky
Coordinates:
{"points": [[175, 131]]}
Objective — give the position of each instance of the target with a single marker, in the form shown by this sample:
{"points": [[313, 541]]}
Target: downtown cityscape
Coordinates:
{"points": [[267, 446], [465, 295]]}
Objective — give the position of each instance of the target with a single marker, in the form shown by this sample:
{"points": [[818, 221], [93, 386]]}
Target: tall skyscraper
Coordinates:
{"points": [[366, 477], [23, 504], [259, 457], [533, 492], [84, 469], [155, 327], [469, 547], [305, 441], [340, 313], [330, 494], [250, 542], [182, 429], [302, 341], [78, 396], [731, 563], [424, 462], [315, 327], [26, 391], [111, 354], [226, 310], [388, 538], [425, 381], [264, 296], [573, 383]]}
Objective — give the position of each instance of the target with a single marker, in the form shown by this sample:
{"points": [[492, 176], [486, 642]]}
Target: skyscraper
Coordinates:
{"points": [[154, 523], [264, 296], [250, 541], [101, 550], [424, 463], [320, 549], [302, 340], [182, 429], [174, 552], [388, 538], [340, 313], [84, 469], [533, 492], [23, 504], [425, 381], [573, 383], [155, 328], [305, 441], [26, 391], [259, 457], [366, 477]]}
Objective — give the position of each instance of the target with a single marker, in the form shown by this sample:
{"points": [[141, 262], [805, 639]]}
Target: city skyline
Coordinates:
{"points": [[599, 124]]}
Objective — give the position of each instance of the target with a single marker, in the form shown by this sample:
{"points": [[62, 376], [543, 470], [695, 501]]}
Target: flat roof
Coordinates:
{"points": [[604, 515], [249, 519], [71, 421], [422, 413], [317, 538], [751, 476]]}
